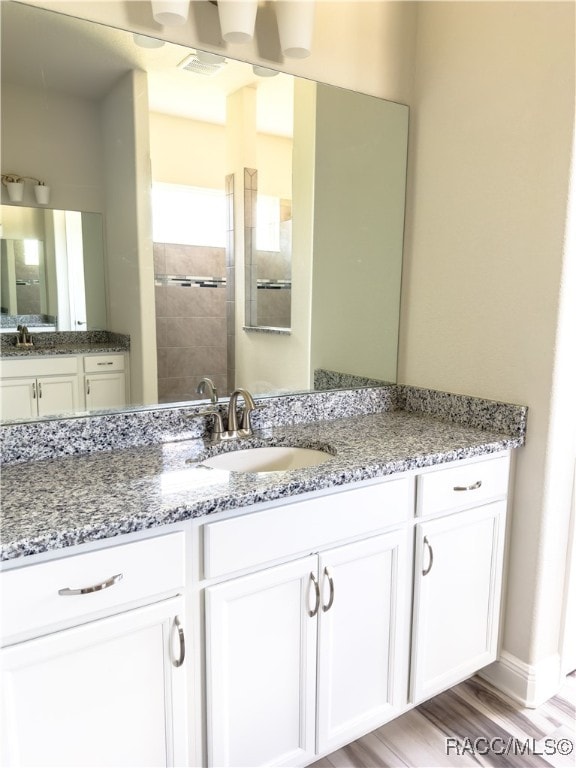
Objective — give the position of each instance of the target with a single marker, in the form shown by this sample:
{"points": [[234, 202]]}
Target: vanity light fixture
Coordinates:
{"points": [[295, 19], [14, 184], [143, 41], [170, 13], [237, 20], [264, 71]]}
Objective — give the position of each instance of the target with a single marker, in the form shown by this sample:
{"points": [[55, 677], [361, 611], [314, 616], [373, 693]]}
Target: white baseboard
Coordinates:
{"points": [[529, 684]]}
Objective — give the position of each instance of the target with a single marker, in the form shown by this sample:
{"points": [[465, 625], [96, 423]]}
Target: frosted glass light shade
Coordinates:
{"points": [[15, 191], [170, 13], [295, 19], [237, 19], [143, 41], [42, 193]]}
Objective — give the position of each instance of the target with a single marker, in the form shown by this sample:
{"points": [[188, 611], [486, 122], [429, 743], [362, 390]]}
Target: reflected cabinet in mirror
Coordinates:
{"points": [[271, 245]]}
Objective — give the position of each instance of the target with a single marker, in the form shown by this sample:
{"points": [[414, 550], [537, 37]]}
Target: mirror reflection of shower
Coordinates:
{"points": [[189, 234]]}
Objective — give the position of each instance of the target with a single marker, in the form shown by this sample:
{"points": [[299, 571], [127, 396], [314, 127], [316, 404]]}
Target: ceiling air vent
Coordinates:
{"points": [[193, 64]]}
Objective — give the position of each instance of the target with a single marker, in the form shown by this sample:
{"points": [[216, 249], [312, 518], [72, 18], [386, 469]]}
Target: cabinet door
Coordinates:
{"points": [[363, 637], [106, 390], [18, 399], [106, 693], [261, 667], [458, 574], [57, 394]]}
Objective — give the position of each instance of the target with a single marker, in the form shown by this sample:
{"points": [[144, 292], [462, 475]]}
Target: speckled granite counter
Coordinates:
{"points": [[65, 343], [56, 503]]}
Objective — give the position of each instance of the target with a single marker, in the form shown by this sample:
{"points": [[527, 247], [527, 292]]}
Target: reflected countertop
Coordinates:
{"points": [[56, 503], [64, 343], [75, 348]]}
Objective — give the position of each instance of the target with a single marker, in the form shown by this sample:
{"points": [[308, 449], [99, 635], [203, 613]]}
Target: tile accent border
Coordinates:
{"points": [[79, 435]]}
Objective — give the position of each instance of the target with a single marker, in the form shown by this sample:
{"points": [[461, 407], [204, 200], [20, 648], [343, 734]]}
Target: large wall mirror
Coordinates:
{"points": [[253, 221]]}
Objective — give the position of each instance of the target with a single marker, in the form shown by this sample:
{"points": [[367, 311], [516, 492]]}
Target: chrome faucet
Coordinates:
{"points": [[208, 384], [245, 429], [234, 430]]}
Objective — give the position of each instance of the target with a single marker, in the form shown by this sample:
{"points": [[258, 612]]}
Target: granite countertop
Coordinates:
{"points": [[56, 503], [74, 348], [65, 343]]}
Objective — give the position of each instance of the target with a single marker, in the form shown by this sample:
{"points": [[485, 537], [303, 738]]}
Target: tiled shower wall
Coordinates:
{"points": [[190, 321]]}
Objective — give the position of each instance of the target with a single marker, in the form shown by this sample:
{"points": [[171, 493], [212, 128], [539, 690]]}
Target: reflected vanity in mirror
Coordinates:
{"points": [[52, 270], [330, 164]]}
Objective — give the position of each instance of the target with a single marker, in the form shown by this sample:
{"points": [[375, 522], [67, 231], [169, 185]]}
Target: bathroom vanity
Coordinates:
{"points": [[155, 612], [64, 373]]}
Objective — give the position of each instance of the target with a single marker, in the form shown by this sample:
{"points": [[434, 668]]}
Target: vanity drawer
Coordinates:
{"points": [[261, 537], [467, 485], [40, 366], [103, 363], [31, 598]]}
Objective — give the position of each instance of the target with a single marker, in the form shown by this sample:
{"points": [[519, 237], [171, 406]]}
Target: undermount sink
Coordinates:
{"points": [[270, 459]]}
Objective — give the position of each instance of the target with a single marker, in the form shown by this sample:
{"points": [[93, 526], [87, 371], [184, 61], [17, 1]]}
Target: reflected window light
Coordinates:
{"points": [[267, 223], [188, 215], [31, 253]]}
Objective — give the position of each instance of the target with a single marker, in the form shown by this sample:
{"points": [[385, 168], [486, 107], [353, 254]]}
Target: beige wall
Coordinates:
{"points": [[491, 133], [128, 225], [74, 176]]}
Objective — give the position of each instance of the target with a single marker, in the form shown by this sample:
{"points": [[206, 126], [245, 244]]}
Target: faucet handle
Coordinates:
{"points": [[218, 423], [246, 422]]}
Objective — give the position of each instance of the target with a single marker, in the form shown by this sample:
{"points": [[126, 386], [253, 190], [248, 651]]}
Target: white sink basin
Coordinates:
{"points": [[272, 459]]}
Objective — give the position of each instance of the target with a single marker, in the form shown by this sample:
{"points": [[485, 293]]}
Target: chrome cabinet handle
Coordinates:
{"points": [[33, 390], [94, 588], [39, 389], [328, 575], [314, 581], [472, 487], [178, 627], [426, 571], [87, 386], [106, 363]]}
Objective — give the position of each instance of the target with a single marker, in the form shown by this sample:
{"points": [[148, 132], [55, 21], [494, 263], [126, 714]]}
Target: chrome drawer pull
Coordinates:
{"points": [[328, 575], [426, 571], [180, 660], [472, 487], [94, 588], [314, 581]]}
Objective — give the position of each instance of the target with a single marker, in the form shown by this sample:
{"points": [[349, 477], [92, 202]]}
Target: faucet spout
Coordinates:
{"points": [[208, 384], [249, 406]]}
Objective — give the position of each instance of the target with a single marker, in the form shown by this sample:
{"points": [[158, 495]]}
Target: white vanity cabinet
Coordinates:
{"points": [[459, 554], [62, 384], [101, 679], [39, 387], [304, 656], [104, 381]]}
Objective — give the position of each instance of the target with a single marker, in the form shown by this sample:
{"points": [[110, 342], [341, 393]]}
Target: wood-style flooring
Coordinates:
{"points": [[471, 724]]}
